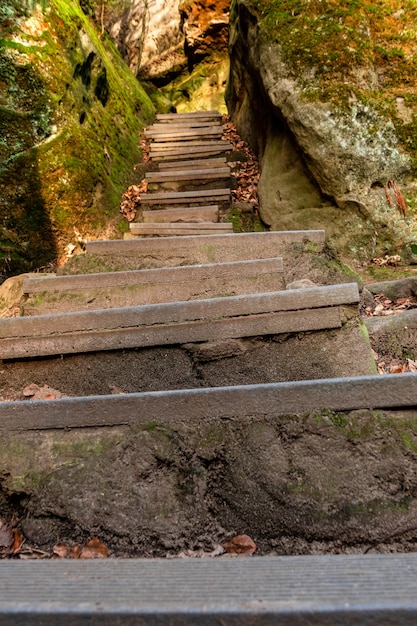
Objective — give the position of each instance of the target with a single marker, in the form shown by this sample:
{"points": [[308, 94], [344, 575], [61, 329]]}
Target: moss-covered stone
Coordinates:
{"points": [[70, 115]]}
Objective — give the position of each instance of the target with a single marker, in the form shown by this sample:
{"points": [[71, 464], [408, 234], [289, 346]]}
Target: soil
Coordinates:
{"points": [[316, 484]]}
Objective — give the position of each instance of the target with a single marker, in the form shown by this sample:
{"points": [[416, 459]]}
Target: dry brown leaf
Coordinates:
{"points": [[63, 551], [397, 368], [242, 545], [94, 549], [17, 542]]}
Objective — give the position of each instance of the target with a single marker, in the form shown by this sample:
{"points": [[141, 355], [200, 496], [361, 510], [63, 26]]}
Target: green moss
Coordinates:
{"points": [[70, 116], [340, 44]]}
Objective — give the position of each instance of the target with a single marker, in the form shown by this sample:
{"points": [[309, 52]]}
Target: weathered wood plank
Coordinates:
{"points": [[138, 288], [206, 249], [171, 145], [195, 115], [169, 334], [197, 164], [184, 135], [185, 214], [158, 276], [177, 175], [178, 229], [292, 300], [185, 197], [191, 153], [185, 123], [192, 405], [318, 590]]}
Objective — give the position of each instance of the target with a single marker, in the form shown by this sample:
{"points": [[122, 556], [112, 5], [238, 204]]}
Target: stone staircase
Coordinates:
{"points": [[210, 395]]}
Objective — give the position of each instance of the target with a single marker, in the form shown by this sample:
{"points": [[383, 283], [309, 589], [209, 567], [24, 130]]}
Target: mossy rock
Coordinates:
{"points": [[70, 115]]}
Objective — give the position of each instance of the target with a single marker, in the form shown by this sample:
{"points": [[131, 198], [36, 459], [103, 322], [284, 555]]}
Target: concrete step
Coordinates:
{"points": [[205, 196], [183, 134], [176, 323], [158, 229], [348, 590], [142, 253], [58, 294], [218, 162], [196, 115], [209, 213], [182, 174]]}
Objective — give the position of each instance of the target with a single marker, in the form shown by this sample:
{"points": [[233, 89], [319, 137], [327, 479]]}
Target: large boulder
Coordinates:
{"points": [[70, 115], [327, 121], [179, 46]]}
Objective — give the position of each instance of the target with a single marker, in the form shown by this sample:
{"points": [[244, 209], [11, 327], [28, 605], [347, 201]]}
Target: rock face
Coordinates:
{"points": [[149, 36], [178, 45], [325, 160], [297, 484], [70, 114]]}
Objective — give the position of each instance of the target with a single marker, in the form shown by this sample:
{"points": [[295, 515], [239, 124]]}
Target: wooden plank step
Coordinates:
{"points": [[347, 590], [181, 174], [153, 252], [184, 134], [166, 230], [193, 405], [197, 164], [196, 115], [188, 123], [208, 213], [59, 294], [176, 323], [171, 145], [185, 197], [191, 153], [52, 282]]}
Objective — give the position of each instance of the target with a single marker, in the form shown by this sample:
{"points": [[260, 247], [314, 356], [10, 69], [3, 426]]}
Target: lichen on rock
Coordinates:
{"points": [[70, 115], [339, 120]]}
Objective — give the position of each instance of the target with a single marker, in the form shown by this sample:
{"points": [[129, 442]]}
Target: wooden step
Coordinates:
{"points": [[59, 294], [192, 406], [186, 197], [171, 135], [158, 229], [272, 313], [341, 589], [195, 175], [156, 252], [208, 213], [219, 162], [196, 144], [196, 115], [192, 152], [188, 123]]}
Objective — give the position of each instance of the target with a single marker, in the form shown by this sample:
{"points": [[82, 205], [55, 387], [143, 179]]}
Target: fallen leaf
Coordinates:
{"points": [[17, 542], [242, 545], [63, 551], [94, 549], [397, 368]]}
